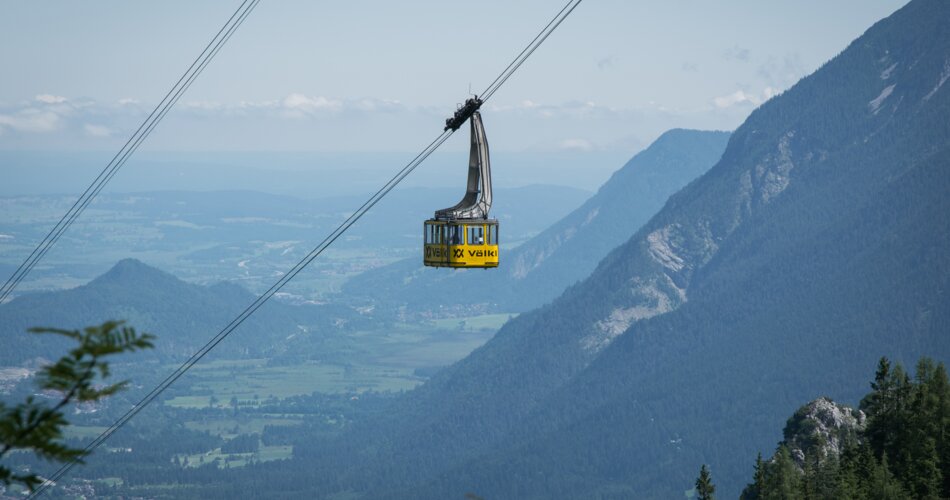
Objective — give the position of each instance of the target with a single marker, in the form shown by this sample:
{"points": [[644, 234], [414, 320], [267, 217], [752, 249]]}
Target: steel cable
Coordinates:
{"points": [[130, 146], [313, 254]]}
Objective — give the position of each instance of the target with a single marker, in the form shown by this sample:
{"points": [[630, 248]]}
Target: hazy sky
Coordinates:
{"points": [[364, 75]]}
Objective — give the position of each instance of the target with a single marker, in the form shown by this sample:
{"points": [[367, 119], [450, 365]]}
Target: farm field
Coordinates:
{"points": [[378, 361], [226, 399]]}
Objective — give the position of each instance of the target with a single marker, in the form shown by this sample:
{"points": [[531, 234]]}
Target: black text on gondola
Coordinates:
{"points": [[481, 253]]}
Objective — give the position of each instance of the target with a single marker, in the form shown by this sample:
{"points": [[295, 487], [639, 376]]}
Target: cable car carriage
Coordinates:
{"points": [[463, 236]]}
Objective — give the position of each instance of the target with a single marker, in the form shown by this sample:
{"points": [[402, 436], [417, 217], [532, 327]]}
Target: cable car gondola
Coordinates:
{"points": [[463, 236]]}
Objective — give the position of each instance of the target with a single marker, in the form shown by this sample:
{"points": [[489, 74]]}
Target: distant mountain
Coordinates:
{"points": [[566, 252], [223, 235], [817, 244], [182, 315]]}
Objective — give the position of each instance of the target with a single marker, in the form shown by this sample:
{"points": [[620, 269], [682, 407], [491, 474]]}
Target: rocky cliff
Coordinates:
{"points": [[822, 427]]}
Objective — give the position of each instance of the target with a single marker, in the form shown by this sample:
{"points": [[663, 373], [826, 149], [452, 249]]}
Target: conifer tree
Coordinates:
{"points": [[882, 485], [940, 387], [903, 452], [826, 477], [866, 467], [783, 480], [705, 489], [759, 477], [847, 484], [889, 417], [753, 491]]}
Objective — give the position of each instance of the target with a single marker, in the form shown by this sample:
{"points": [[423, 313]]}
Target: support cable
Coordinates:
{"points": [[211, 344], [526, 53], [304, 262], [130, 146]]}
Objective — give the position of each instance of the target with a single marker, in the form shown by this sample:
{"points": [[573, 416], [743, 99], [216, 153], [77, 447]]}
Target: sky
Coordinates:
{"points": [[380, 76]]}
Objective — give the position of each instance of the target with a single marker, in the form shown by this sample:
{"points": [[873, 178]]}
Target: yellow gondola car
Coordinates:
{"points": [[463, 236], [470, 243]]}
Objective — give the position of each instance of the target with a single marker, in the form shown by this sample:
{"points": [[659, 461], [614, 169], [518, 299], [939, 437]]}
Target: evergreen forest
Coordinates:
{"points": [[903, 450]]}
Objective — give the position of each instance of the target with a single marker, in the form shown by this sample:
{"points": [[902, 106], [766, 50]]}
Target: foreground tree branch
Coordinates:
{"points": [[37, 427]]}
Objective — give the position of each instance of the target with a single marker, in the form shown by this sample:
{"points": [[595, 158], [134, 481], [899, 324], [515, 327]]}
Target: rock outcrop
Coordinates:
{"points": [[823, 427]]}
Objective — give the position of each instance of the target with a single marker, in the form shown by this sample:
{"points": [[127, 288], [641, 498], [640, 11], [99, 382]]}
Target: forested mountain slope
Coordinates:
{"points": [[182, 315], [541, 268]]}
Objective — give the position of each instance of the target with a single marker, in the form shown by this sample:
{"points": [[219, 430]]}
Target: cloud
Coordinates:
{"points": [[96, 130], [295, 106], [86, 118], [742, 97], [576, 144], [736, 53], [301, 102], [524, 105], [293, 120], [606, 62], [102, 119], [203, 105], [371, 105], [782, 72], [45, 113], [737, 97], [573, 109], [50, 99], [298, 105], [31, 120], [251, 105]]}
